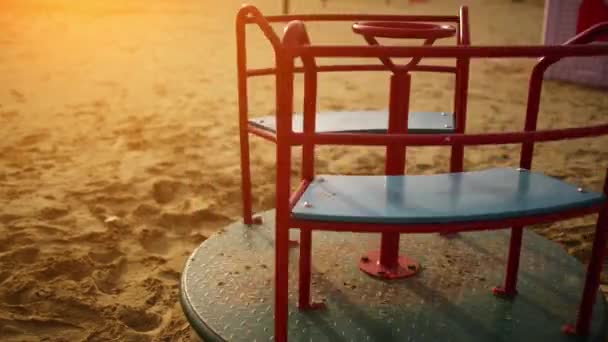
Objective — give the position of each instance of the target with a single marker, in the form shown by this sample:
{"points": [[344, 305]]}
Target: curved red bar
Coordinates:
{"points": [[400, 29]]}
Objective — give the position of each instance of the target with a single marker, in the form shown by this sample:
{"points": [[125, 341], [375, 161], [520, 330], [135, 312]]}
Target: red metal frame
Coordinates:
{"points": [[295, 44], [251, 15]]}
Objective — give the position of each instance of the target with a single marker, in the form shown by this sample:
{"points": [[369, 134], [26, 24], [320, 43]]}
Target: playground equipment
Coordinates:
{"points": [[227, 295], [285, 7], [564, 19], [428, 29]]}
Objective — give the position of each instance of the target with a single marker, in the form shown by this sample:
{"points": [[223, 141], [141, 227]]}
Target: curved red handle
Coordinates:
{"points": [[401, 29]]}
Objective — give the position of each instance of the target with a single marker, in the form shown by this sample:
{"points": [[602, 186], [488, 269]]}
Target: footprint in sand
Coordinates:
{"points": [[72, 268], [53, 212], [153, 240], [17, 95], [105, 256], [138, 319], [108, 279], [164, 191], [146, 210], [24, 255]]}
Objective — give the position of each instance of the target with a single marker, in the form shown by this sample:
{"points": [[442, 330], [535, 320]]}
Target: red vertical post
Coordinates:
{"points": [[395, 156], [241, 58], [510, 287], [525, 163], [308, 162], [284, 104], [594, 270], [387, 263], [534, 92], [304, 298], [305, 254], [461, 92], [310, 111]]}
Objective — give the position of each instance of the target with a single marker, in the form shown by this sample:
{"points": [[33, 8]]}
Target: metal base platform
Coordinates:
{"points": [[227, 290]]}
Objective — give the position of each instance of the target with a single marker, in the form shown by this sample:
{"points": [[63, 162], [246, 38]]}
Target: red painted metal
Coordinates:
{"points": [[244, 134], [310, 111], [304, 298], [404, 266], [251, 15], [594, 270], [295, 196], [355, 67], [461, 95], [284, 105], [560, 51], [378, 139], [262, 133], [353, 17], [509, 290], [295, 44], [386, 263], [403, 29], [304, 280]]}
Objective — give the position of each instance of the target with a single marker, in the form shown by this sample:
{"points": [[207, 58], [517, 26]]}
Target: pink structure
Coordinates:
{"points": [[561, 20]]}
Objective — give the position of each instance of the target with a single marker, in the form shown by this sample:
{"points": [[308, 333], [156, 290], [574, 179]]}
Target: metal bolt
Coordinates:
{"points": [[444, 114], [307, 205], [521, 169], [580, 190], [447, 126]]}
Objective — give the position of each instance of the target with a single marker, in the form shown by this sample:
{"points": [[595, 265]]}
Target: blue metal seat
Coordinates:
{"points": [[492, 194], [365, 121]]}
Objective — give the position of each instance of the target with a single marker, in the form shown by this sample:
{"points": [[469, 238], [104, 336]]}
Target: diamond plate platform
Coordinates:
{"points": [[227, 290]]}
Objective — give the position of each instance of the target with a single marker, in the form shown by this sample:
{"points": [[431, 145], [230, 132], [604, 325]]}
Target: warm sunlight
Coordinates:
{"points": [[129, 194]]}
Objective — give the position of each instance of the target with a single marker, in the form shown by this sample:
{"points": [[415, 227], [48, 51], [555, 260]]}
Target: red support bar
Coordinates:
{"points": [[398, 121], [305, 269], [295, 196], [243, 124], [395, 157], [354, 17], [510, 288], [284, 105], [378, 139], [534, 91], [594, 270], [450, 51], [461, 94], [262, 133], [355, 67], [310, 114]]}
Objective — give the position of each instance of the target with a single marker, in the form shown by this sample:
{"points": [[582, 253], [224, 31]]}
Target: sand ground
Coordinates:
{"points": [[119, 148]]}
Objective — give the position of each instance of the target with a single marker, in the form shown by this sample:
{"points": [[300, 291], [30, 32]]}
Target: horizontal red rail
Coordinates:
{"points": [[354, 17], [355, 67], [444, 227], [295, 196], [449, 51], [262, 133], [378, 139]]}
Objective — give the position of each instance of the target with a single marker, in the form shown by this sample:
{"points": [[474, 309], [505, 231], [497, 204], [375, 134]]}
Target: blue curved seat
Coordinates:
{"points": [[492, 194], [364, 121]]}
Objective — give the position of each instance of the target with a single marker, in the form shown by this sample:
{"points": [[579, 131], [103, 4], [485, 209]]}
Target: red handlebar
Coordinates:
{"points": [[396, 29]]}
